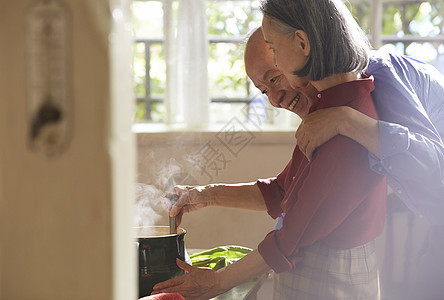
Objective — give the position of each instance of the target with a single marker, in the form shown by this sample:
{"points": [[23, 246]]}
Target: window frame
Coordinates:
{"points": [[376, 38]]}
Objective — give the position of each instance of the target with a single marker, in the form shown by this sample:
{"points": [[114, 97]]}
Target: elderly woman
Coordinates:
{"points": [[334, 205], [339, 261]]}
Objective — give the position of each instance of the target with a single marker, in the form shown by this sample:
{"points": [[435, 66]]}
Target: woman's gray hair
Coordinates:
{"points": [[337, 43]]}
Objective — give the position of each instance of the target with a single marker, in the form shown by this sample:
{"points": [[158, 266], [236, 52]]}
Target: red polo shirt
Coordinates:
{"points": [[336, 198]]}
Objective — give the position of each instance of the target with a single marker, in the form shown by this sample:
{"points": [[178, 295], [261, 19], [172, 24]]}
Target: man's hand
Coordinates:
{"points": [[200, 284], [194, 285], [190, 198]]}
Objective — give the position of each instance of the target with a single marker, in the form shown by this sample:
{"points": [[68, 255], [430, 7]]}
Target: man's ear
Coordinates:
{"points": [[302, 42]]}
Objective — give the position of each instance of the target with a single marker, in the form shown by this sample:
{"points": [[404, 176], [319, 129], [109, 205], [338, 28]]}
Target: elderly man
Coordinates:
{"points": [[405, 144]]}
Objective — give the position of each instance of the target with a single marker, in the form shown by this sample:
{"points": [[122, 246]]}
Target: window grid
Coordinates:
{"points": [[148, 99], [376, 37]]}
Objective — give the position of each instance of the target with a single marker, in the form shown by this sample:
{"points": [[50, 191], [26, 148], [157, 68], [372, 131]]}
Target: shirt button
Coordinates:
{"points": [[390, 168], [319, 96], [399, 191], [294, 177]]}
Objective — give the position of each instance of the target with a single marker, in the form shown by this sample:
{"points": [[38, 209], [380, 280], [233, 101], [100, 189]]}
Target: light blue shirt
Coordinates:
{"points": [[409, 97]]}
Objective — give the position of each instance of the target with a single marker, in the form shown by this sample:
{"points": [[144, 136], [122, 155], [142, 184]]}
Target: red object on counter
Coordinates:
{"points": [[164, 296]]}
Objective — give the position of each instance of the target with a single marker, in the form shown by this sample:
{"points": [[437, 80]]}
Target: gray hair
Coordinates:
{"points": [[337, 43]]}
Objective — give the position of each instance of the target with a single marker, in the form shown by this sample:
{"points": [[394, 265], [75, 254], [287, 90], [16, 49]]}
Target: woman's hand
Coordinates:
{"points": [[195, 284], [191, 198], [322, 125], [319, 127]]}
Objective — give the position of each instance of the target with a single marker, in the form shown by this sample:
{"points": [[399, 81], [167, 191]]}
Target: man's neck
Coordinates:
{"points": [[334, 80]]}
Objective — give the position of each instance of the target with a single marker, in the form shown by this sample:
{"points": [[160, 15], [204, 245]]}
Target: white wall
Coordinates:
{"points": [[60, 237], [160, 155]]}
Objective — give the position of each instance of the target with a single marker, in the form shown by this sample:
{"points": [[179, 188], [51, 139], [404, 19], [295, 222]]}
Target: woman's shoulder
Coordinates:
{"points": [[382, 63]]}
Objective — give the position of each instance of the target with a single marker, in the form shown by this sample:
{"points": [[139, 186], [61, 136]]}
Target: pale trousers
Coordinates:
{"points": [[329, 273]]}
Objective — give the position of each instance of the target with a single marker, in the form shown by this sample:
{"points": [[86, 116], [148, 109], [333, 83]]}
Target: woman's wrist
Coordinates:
{"points": [[346, 120], [361, 128]]}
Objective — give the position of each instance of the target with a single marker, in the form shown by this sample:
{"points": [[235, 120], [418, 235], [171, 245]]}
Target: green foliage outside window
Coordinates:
{"points": [[226, 74], [226, 68], [361, 11], [234, 19], [423, 19]]}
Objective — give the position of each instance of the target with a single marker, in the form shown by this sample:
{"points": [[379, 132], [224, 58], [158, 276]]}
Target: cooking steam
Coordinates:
{"points": [[149, 209], [151, 202]]}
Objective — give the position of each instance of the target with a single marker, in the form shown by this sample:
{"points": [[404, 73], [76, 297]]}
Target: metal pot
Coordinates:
{"points": [[158, 250]]}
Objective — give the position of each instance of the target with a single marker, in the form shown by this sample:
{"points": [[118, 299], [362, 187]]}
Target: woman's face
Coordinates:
{"points": [[288, 54]]}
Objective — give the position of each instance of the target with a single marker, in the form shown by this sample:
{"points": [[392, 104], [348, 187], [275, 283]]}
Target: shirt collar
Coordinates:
{"points": [[344, 93]]}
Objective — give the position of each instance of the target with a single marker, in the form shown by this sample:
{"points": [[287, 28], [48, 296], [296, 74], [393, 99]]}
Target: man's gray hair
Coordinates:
{"points": [[337, 43]]}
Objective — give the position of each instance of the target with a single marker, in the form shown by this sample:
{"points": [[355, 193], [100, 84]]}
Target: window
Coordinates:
{"points": [[207, 84], [409, 27], [197, 79]]}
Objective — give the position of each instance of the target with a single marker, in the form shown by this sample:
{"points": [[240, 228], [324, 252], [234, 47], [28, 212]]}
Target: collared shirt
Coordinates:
{"points": [[409, 98], [336, 198]]}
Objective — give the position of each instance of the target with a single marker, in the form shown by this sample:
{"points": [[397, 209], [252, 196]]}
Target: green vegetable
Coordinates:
{"points": [[218, 257]]}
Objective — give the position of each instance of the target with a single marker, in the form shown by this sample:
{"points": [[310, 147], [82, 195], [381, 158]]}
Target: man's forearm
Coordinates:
{"points": [[250, 266], [241, 195]]}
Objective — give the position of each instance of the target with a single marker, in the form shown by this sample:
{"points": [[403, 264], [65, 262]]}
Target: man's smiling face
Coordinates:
{"points": [[270, 80]]}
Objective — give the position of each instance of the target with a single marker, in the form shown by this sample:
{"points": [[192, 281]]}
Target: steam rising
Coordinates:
{"points": [[150, 205], [148, 209]]}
